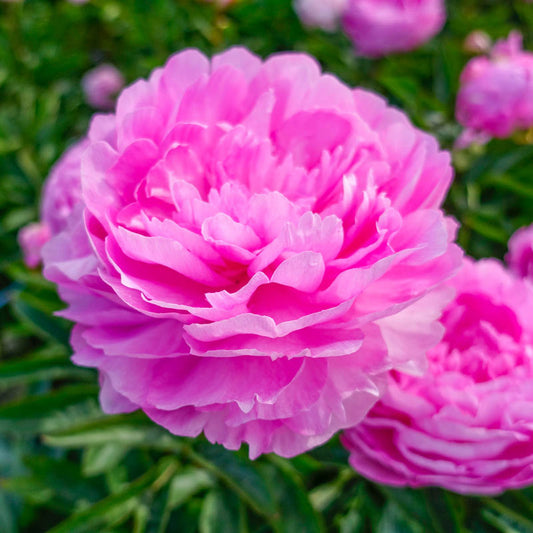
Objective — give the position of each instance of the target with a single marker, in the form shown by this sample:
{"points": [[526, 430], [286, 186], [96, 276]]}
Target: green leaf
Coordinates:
{"points": [[56, 483], [393, 520], [295, 512], [36, 414], [129, 430], [238, 473], [410, 501], [33, 369], [222, 512], [445, 510], [31, 310], [7, 517], [120, 505], [186, 483], [505, 519], [99, 459], [351, 522]]}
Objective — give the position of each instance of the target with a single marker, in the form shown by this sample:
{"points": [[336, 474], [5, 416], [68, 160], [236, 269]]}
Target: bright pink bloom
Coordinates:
{"points": [[31, 239], [496, 94], [61, 192], [100, 86], [324, 14], [379, 27], [249, 239], [62, 189], [467, 425], [520, 256]]}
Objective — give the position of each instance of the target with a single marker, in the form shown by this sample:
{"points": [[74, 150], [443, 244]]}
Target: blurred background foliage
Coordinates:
{"points": [[64, 466]]}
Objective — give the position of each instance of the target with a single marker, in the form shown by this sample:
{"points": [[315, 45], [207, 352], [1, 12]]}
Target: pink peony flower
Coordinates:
{"points": [[520, 256], [31, 239], [101, 84], [249, 239], [496, 94], [467, 425], [379, 27], [321, 13], [61, 192]]}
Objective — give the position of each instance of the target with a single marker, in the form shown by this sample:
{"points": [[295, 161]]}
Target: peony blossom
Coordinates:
{"points": [[520, 256], [31, 239], [379, 27], [496, 93], [61, 193], [467, 425], [323, 14], [249, 238], [100, 86]]}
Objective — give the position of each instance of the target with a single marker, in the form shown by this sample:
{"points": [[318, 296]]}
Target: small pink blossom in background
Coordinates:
{"points": [[61, 192], [101, 85], [477, 42], [323, 14], [379, 27], [496, 93], [252, 250], [31, 239], [222, 3], [520, 256], [467, 425], [78, 1]]}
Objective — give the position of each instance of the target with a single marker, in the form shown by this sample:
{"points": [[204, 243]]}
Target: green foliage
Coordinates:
{"points": [[64, 465]]}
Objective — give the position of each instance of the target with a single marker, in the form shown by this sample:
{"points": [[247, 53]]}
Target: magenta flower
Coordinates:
{"points": [[496, 94], [100, 86], [61, 192], [520, 256], [31, 239], [249, 239], [467, 425], [323, 14], [379, 27]]}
